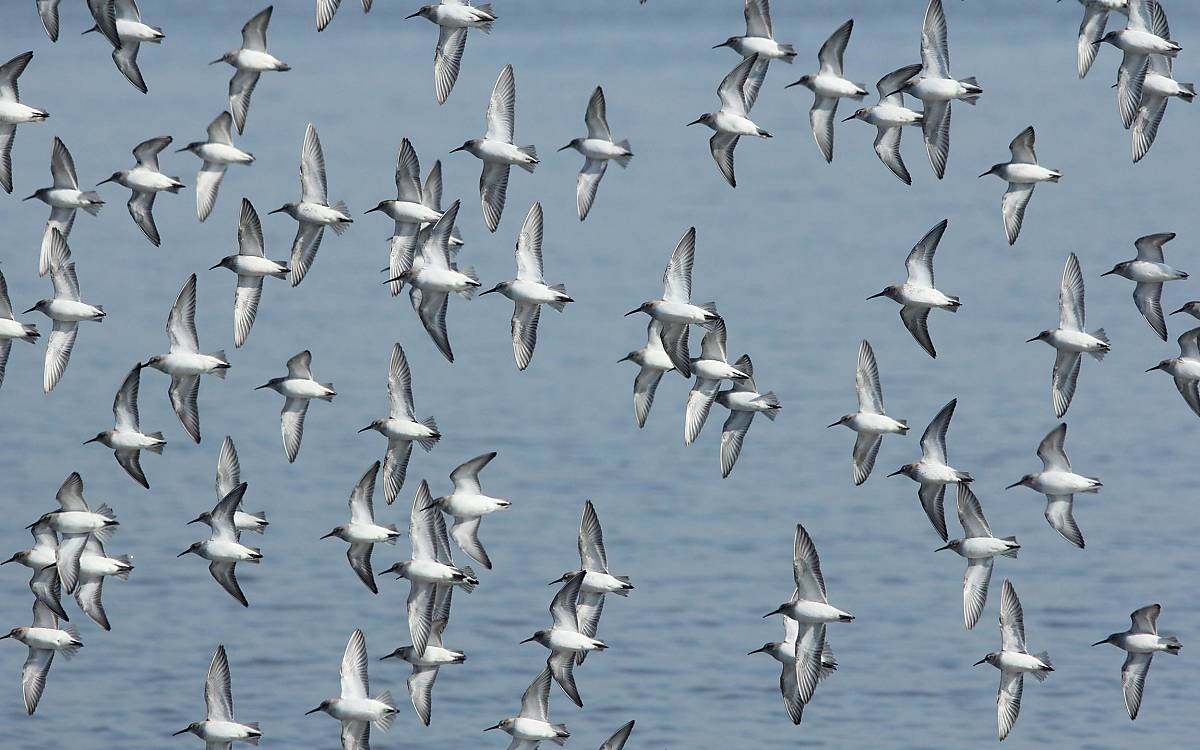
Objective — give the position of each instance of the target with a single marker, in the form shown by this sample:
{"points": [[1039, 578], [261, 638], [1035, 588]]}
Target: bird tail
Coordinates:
{"points": [[1012, 552], [1173, 644], [1103, 337], [73, 647], [965, 477], [772, 401], [392, 527], [623, 160], [220, 371], [123, 574], [789, 53], [97, 202], [954, 303], [858, 97], [429, 442], [261, 516], [486, 26], [1187, 91], [331, 394], [31, 333], [531, 152], [339, 227], [903, 426], [469, 272], [157, 447], [711, 309], [1056, 177], [561, 731], [253, 740], [384, 723], [177, 186], [469, 583], [1044, 658], [560, 304]]}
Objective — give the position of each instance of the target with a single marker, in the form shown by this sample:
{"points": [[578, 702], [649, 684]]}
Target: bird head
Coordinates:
{"points": [[858, 114], [906, 470], [1022, 482], [1040, 337]]}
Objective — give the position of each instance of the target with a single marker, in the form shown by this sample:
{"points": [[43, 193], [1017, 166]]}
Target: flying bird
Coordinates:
{"points": [[251, 265], [11, 329], [467, 505], [145, 181], [598, 149], [63, 197], [743, 401], [425, 667], [980, 546], [219, 729], [362, 532], [45, 638], [653, 362], [890, 116], [1022, 173], [917, 295], [870, 422], [453, 19], [12, 113], [565, 639], [298, 388], [738, 92], [1013, 660], [1059, 483], [223, 548], [127, 440], [1149, 271], [229, 476], [121, 23], [932, 471], [532, 724], [76, 522], [710, 368], [1140, 642], [1185, 369], [828, 86], [784, 652], [354, 709], [1146, 33], [401, 426], [415, 207], [249, 62], [593, 568], [1157, 89], [1091, 29], [217, 153], [326, 9], [759, 38]]}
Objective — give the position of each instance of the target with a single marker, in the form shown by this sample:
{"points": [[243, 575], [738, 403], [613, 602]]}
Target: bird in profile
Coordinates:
{"points": [[45, 638], [64, 197], [1149, 271], [122, 25], [145, 181], [532, 724], [184, 363], [312, 212], [354, 709], [917, 295], [94, 566], [809, 606], [496, 150], [219, 730], [223, 549], [936, 88], [415, 207], [828, 86], [710, 368], [1146, 33], [362, 532], [425, 666], [249, 62], [932, 471], [12, 113], [41, 558], [76, 522], [784, 652], [127, 440], [1091, 29], [11, 329], [1140, 643], [1185, 368], [1059, 483], [598, 149], [453, 19], [1022, 173], [743, 401], [467, 505], [675, 310], [401, 426], [593, 568], [1013, 660], [65, 309], [251, 265], [870, 422], [759, 38], [298, 388], [529, 291], [229, 476], [980, 546], [890, 117], [738, 92], [1070, 339], [217, 153], [653, 362], [1158, 88], [565, 639]]}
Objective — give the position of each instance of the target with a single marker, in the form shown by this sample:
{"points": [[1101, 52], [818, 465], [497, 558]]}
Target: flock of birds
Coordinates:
{"points": [[69, 553]]}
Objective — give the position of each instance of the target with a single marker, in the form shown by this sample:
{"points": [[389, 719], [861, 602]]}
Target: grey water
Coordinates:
{"points": [[789, 256]]}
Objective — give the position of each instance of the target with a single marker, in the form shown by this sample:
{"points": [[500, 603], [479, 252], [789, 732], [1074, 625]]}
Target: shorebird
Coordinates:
{"points": [[362, 532], [738, 92], [251, 265], [63, 197], [653, 361], [710, 368], [425, 667], [249, 61], [146, 181], [1157, 89], [223, 549], [453, 18], [1013, 660], [184, 363], [11, 329], [565, 639], [496, 150], [430, 569], [1149, 271], [13, 113], [413, 208], [40, 558], [1059, 484], [65, 309], [127, 440], [890, 116], [784, 652], [1140, 641], [936, 88], [870, 421], [1146, 33], [759, 38], [45, 638], [75, 521], [312, 212], [217, 153], [532, 725], [743, 401], [932, 472], [809, 606], [980, 546], [828, 86], [1022, 173], [219, 730], [121, 23], [1091, 29], [1069, 339], [401, 426], [94, 566], [297, 388], [1185, 368], [354, 709], [229, 476], [598, 149], [917, 295], [675, 310], [597, 581], [529, 291], [431, 196], [468, 505]]}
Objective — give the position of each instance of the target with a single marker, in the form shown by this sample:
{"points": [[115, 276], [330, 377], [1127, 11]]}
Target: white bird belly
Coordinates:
{"points": [[461, 505], [455, 16], [1147, 271], [368, 533], [679, 312], [928, 472], [226, 731], [1158, 85], [402, 429], [1023, 174], [937, 89], [189, 363], [500, 152], [744, 401], [834, 87], [761, 46], [131, 440], [979, 547], [129, 30], [65, 198], [408, 212], [811, 612], [727, 122], [599, 149], [595, 582], [1064, 483], [99, 565], [1076, 341], [15, 113], [430, 571], [255, 265], [1144, 43], [67, 310], [532, 729], [221, 153], [148, 181], [442, 280], [11, 329], [569, 640], [303, 388], [533, 292], [50, 639], [77, 521], [877, 424], [256, 61], [315, 213], [1143, 643], [923, 296], [1015, 661], [359, 709], [892, 116]]}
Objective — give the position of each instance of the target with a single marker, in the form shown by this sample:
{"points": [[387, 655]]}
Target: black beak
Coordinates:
{"points": [[181, 554], [622, 359], [264, 385], [881, 294], [219, 59], [387, 656], [1182, 309], [181, 150], [1100, 643], [759, 650], [527, 640], [981, 661], [329, 535], [276, 211], [1106, 273], [835, 424], [93, 440], [493, 289], [185, 730], [896, 472], [101, 182], [216, 266], [11, 559], [460, 148], [6, 635], [1156, 367], [368, 427], [696, 121], [197, 519], [486, 730], [985, 174], [631, 312], [1014, 484], [939, 549], [775, 611], [414, 15], [32, 196], [29, 310], [564, 148], [851, 117], [797, 83], [318, 708], [369, 210]]}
